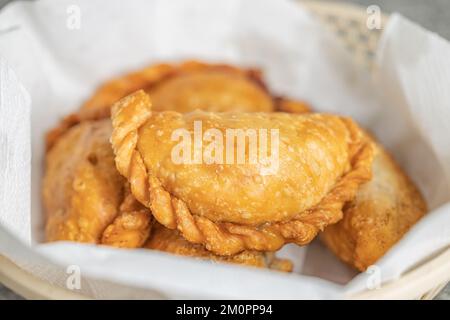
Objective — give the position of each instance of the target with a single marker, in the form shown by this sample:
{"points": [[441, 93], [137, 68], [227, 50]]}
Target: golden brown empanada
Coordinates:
{"points": [[188, 86], [232, 207], [384, 209], [197, 85], [84, 194], [184, 87], [171, 241], [86, 200]]}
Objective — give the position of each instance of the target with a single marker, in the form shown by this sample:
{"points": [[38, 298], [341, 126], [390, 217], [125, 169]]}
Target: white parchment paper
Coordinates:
{"points": [[53, 54]]}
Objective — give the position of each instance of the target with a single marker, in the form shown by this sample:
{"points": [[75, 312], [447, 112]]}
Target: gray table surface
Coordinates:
{"points": [[432, 14]]}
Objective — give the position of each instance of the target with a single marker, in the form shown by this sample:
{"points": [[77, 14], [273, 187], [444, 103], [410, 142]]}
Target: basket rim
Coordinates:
{"points": [[30, 286], [340, 8], [429, 275]]}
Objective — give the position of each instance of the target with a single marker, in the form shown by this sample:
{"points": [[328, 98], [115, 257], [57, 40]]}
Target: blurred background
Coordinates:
{"points": [[431, 14]]}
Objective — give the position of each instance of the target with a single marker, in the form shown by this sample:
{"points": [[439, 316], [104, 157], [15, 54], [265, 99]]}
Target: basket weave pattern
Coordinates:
{"points": [[350, 24]]}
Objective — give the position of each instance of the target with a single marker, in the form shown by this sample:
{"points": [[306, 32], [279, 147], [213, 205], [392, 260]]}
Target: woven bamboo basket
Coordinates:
{"points": [[424, 282]]}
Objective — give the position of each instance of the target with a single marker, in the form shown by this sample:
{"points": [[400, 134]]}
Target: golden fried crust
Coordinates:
{"points": [[128, 230], [193, 85], [214, 90], [185, 87], [292, 106], [83, 192], [188, 86], [171, 241], [54, 134], [383, 211], [131, 227], [322, 161]]}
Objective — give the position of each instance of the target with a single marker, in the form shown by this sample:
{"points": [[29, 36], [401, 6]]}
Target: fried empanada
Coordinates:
{"points": [[87, 200], [171, 241], [198, 85], [185, 87], [188, 86], [229, 208], [384, 209], [84, 194]]}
